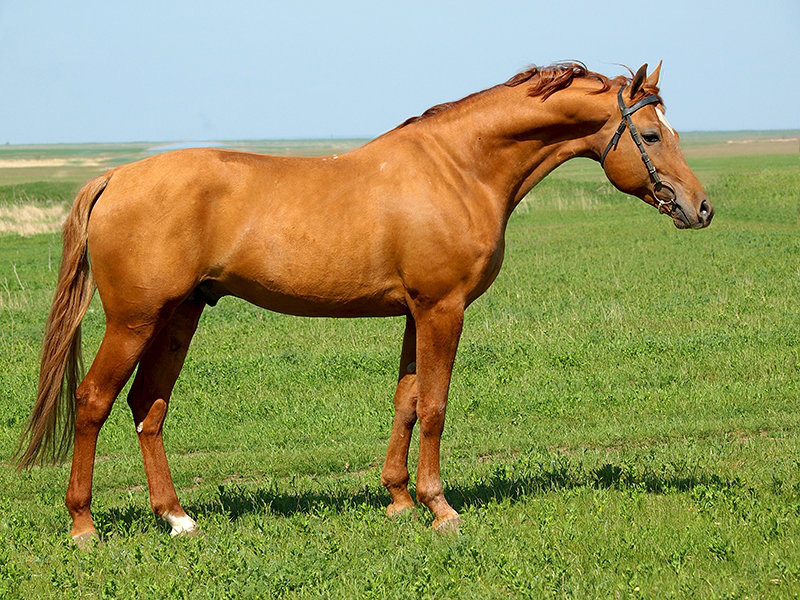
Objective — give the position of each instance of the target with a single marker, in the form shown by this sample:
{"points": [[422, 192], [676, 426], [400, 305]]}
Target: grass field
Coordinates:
{"points": [[624, 419]]}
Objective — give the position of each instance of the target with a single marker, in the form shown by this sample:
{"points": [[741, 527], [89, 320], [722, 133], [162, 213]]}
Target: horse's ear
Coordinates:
{"points": [[652, 81], [638, 80]]}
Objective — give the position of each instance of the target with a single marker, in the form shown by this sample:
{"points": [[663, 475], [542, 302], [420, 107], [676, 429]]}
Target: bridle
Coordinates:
{"points": [[664, 206]]}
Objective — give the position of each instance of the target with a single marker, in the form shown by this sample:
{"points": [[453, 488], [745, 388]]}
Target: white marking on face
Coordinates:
{"points": [[140, 427], [663, 118], [180, 525]]}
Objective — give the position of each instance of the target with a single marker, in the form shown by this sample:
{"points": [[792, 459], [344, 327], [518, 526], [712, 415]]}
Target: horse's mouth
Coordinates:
{"points": [[667, 200], [680, 219], [684, 218]]}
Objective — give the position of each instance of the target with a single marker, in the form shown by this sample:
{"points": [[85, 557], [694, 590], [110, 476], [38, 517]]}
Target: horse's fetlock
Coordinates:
{"points": [[159, 509], [428, 493], [395, 479], [167, 506], [77, 503]]}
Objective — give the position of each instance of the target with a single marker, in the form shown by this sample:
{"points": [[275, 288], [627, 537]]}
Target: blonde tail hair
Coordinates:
{"points": [[49, 431]]}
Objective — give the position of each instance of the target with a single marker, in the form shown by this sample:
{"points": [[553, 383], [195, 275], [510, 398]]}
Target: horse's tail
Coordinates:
{"points": [[49, 431]]}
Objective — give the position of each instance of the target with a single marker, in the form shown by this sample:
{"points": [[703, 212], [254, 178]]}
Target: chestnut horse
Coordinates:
{"points": [[411, 224]]}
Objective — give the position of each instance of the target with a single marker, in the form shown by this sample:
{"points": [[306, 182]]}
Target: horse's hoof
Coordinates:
{"points": [[449, 525], [397, 510], [87, 540]]}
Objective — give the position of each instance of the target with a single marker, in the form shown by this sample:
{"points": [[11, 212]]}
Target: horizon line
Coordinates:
{"points": [[785, 131]]}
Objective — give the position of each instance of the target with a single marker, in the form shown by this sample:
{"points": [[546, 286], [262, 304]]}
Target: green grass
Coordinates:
{"points": [[623, 422], [38, 193]]}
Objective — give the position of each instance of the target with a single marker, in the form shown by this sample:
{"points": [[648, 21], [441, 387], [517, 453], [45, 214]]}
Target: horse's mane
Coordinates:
{"points": [[544, 82]]}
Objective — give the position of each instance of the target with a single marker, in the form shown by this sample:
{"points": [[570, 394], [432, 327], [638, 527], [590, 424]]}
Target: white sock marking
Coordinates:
{"points": [[140, 427], [180, 525]]}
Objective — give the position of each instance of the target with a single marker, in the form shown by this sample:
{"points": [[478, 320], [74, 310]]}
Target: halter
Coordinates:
{"points": [[626, 122]]}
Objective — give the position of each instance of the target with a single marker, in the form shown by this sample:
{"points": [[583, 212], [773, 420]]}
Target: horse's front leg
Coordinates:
{"points": [[438, 332], [395, 470]]}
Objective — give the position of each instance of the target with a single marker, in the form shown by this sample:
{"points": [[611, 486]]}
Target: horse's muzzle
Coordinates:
{"points": [[687, 217]]}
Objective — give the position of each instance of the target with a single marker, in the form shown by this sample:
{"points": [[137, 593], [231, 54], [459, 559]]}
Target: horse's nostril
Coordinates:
{"points": [[705, 213]]}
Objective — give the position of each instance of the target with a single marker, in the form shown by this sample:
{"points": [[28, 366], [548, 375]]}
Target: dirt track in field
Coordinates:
{"points": [[742, 147]]}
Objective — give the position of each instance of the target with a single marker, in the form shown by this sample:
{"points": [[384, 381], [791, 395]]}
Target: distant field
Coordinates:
{"points": [[76, 163], [624, 417]]}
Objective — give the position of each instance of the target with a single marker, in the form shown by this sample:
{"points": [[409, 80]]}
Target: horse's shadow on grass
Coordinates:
{"points": [[502, 485]]}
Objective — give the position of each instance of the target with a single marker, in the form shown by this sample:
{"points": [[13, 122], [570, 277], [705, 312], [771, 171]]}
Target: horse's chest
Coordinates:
{"points": [[486, 271]]}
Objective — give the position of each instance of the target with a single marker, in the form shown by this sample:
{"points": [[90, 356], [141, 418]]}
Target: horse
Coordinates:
{"points": [[411, 224]]}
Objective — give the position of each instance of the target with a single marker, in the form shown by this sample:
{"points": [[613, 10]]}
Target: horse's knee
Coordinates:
{"points": [[431, 419], [160, 507]]}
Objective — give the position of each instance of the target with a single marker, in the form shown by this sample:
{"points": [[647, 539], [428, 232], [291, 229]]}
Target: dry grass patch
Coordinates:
{"points": [[29, 220]]}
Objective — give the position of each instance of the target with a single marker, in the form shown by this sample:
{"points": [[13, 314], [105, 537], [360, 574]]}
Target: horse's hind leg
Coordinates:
{"points": [[118, 354], [148, 399], [395, 470]]}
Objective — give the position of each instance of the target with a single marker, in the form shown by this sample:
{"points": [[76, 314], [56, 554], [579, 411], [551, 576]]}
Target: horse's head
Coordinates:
{"points": [[643, 156]]}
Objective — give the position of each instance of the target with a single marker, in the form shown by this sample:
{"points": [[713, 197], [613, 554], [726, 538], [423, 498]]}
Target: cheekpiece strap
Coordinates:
{"points": [[626, 122]]}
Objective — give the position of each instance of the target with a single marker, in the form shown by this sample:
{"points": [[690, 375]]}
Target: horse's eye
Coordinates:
{"points": [[650, 137]]}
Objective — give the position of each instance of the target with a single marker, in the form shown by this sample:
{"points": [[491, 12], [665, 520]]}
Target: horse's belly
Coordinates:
{"points": [[340, 300], [302, 264]]}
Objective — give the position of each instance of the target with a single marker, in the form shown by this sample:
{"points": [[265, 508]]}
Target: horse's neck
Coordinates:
{"points": [[510, 141]]}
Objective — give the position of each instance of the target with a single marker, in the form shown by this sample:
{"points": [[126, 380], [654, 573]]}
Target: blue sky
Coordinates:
{"points": [[103, 71]]}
